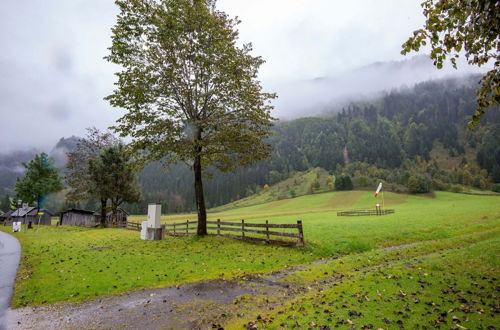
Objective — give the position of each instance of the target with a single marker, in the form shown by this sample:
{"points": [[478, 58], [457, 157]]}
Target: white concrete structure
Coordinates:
{"points": [[154, 214], [144, 230]]}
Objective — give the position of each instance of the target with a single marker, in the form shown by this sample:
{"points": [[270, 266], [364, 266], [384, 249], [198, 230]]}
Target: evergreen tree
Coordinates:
{"points": [[343, 182], [41, 179]]}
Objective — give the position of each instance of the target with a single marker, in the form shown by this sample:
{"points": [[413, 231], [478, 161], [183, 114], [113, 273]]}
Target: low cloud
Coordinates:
{"points": [[316, 96], [53, 77]]}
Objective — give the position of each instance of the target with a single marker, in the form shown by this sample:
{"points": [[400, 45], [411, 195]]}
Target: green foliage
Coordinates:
{"points": [[113, 176], [40, 180], [418, 184], [7, 203], [343, 182], [457, 188], [496, 188], [77, 175], [471, 26], [329, 182]]}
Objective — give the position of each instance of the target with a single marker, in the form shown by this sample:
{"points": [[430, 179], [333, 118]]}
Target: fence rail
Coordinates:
{"points": [[365, 212], [133, 226], [229, 229]]}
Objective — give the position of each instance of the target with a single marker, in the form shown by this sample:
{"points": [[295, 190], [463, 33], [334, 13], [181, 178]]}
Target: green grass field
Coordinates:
{"points": [[454, 239]]}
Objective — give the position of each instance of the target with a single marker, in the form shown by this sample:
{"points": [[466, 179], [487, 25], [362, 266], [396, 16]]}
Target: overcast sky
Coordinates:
{"points": [[53, 78]]}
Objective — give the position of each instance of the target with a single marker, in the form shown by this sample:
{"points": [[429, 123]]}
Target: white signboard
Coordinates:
{"points": [[16, 226]]}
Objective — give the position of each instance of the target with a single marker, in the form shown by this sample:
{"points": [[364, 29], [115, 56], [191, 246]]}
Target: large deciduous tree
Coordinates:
{"points": [[471, 26], [191, 93], [40, 180], [77, 176], [113, 175]]}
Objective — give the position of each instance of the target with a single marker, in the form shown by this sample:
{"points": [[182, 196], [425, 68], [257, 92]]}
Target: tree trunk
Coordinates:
{"points": [[103, 212], [114, 214], [200, 198]]}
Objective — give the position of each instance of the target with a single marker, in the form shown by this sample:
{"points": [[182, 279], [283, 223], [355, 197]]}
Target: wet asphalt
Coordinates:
{"points": [[10, 253]]}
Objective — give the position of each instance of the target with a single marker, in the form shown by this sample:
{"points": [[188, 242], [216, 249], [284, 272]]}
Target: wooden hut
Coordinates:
{"points": [[5, 218], [31, 215], [76, 217], [121, 218]]}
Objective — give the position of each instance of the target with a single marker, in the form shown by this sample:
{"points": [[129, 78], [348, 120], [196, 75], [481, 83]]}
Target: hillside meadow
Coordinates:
{"points": [[431, 234]]}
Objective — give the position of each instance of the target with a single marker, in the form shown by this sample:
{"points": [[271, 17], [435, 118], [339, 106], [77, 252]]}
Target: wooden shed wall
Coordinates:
{"points": [[46, 219], [77, 219]]}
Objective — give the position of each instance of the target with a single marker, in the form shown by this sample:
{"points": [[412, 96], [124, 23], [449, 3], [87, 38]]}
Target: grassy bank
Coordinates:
{"points": [[450, 283], [68, 263]]}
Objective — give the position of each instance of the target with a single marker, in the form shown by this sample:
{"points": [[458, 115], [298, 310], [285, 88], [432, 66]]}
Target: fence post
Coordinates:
{"points": [[301, 232], [187, 227], [242, 228], [267, 231], [174, 227], [218, 227]]}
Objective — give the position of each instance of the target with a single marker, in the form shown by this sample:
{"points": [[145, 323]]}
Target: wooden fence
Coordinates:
{"points": [[258, 232], [133, 226], [365, 212]]}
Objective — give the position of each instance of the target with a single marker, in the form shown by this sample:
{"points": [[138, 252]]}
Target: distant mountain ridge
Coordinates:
{"points": [[11, 163]]}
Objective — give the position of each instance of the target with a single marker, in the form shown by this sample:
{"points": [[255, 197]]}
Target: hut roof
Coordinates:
{"points": [[7, 214], [29, 211], [98, 213], [21, 212], [80, 211]]}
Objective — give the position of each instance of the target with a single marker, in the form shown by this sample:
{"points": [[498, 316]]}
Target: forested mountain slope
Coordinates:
{"points": [[419, 132], [413, 139]]}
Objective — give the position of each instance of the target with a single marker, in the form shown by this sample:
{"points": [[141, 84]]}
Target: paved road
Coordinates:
{"points": [[10, 253]]}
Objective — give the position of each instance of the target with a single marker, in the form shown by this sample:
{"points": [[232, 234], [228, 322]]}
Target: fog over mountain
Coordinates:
{"points": [[53, 77], [66, 114], [295, 98], [324, 94]]}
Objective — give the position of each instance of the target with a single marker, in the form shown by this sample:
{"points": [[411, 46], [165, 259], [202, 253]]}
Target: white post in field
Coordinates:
{"points": [[154, 214]]}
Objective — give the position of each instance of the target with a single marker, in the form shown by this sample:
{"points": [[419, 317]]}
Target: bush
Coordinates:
{"points": [[362, 181], [457, 188], [440, 185], [496, 187], [418, 184], [343, 182]]}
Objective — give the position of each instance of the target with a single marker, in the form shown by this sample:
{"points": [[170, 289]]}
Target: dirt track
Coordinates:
{"points": [[191, 306]]}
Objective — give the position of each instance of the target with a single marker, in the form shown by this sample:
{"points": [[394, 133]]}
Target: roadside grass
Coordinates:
{"points": [[449, 282], [70, 263]]}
